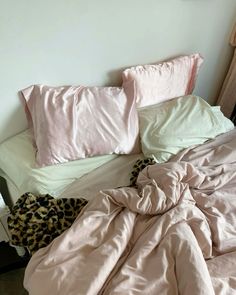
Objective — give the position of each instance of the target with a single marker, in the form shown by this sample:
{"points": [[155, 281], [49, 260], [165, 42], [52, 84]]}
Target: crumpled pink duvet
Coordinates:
{"points": [[175, 234]]}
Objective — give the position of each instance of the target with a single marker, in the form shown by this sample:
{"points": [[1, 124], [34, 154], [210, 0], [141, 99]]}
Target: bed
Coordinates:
{"points": [[127, 241], [158, 184]]}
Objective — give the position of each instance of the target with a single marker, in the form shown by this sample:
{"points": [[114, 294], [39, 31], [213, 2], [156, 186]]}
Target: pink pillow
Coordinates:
{"points": [[152, 84], [77, 122]]}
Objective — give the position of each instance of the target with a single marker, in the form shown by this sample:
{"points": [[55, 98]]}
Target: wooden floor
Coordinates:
{"points": [[11, 282], [12, 268]]}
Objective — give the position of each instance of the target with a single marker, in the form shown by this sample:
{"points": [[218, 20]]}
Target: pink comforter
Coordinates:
{"points": [[176, 234]]}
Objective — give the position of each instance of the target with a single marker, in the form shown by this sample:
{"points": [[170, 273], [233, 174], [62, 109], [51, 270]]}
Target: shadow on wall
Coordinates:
{"points": [[14, 120], [114, 77]]}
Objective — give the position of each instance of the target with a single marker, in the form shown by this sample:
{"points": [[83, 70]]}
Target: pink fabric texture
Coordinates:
{"points": [[72, 122], [151, 84], [175, 234]]}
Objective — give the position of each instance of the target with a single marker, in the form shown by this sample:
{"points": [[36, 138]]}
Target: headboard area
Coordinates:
{"points": [[90, 43]]}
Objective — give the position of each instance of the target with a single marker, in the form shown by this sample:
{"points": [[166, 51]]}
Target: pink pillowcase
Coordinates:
{"points": [[77, 122], [152, 84]]}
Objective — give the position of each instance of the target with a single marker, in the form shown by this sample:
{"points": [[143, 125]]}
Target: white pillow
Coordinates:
{"points": [[169, 127]]}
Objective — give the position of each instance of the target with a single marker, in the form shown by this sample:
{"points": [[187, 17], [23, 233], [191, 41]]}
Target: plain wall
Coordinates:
{"points": [[60, 42]]}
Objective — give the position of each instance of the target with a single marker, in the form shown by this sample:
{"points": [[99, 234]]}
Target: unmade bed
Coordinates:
{"points": [[173, 234], [146, 174]]}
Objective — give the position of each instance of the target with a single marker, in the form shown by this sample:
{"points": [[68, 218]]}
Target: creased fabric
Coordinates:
{"points": [[76, 122], [154, 83], [174, 234], [227, 97], [233, 36]]}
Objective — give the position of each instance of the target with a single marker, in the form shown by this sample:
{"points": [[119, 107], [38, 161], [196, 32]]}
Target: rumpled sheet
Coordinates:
{"points": [[175, 234]]}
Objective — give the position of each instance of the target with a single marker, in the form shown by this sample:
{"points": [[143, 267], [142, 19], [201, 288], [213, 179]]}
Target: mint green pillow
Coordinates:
{"points": [[171, 126]]}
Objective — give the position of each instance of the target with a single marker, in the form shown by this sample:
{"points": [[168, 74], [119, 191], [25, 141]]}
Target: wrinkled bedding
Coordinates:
{"points": [[174, 234]]}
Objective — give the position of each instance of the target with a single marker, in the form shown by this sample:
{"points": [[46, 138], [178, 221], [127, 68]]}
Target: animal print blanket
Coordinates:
{"points": [[36, 220]]}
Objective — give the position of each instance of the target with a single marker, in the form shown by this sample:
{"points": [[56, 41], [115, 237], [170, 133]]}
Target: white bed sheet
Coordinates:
{"points": [[17, 162], [115, 173]]}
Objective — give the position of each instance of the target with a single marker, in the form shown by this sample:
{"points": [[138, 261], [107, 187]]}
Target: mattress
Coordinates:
{"points": [[18, 167]]}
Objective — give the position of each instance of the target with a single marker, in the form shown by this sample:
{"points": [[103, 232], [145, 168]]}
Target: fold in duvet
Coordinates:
{"points": [[174, 234]]}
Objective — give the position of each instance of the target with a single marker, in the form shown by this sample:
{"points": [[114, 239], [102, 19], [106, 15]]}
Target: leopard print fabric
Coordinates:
{"points": [[139, 166], [36, 220]]}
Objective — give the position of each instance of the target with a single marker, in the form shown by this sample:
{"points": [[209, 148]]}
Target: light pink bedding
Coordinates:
{"points": [[77, 122], [154, 83], [175, 234]]}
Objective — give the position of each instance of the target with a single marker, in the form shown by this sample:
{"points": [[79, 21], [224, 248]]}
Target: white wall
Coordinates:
{"points": [[89, 42]]}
